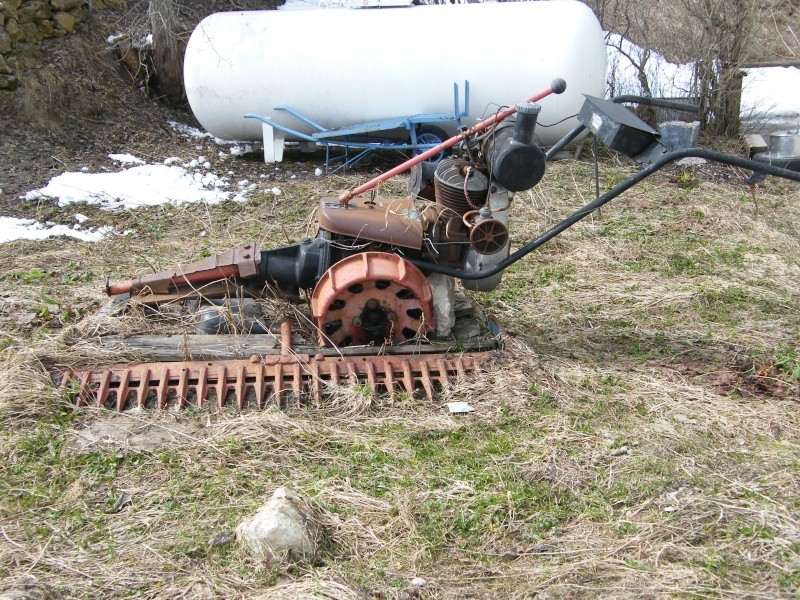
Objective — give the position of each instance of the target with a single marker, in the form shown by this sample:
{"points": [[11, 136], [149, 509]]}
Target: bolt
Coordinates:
{"points": [[372, 304], [306, 240], [357, 321], [391, 316]]}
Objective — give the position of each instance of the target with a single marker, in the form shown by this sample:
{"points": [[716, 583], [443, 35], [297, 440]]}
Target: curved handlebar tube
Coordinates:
{"points": [[582, 213]]}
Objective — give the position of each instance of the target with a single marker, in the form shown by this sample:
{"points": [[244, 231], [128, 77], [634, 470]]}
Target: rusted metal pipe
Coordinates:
{"points": [[286, 338], [241, 261], [177, 280], [557, 86]]}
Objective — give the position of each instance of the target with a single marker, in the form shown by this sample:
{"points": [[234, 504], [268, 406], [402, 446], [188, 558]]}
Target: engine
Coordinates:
{"points": [[361, 265]]}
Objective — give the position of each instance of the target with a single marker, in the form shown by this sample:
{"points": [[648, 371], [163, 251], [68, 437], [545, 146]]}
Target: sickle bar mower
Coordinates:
{"points": [[379, 274], [262, 381]]}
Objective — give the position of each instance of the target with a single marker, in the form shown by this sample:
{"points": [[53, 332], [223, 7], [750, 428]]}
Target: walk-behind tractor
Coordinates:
{"points": [[378, 277]]}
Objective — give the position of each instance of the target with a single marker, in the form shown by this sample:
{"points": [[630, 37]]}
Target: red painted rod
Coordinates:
{"points": [[557, 86]]}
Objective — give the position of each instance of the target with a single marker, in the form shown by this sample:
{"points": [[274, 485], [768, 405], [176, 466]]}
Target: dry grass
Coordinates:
{"points": [[642, 441]]}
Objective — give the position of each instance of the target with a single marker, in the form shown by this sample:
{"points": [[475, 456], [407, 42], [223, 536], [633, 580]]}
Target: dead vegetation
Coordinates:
{"points": [[641, 441]]}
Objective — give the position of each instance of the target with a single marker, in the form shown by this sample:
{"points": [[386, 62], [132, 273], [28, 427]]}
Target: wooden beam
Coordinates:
{"points": [[166, 348], [770, 63], [754, 143]]}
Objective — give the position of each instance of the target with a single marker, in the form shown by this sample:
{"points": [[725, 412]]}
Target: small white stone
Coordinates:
{"points": [[318, 172], [691, 161], [418, 582], [276, 191], [283, 527]]}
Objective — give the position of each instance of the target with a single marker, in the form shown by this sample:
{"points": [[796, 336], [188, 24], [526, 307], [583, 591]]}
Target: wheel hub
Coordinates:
{"points": [[372, 298]]}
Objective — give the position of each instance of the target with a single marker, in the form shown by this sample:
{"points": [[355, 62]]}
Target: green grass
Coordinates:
{"points": [[668, 324]]}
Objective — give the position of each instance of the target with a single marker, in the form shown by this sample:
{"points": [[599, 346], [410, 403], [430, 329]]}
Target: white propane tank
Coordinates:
{"points": [[340, 67]]}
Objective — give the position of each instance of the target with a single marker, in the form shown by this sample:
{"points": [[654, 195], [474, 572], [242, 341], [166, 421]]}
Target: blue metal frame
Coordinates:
{"points": [[362, 132]]}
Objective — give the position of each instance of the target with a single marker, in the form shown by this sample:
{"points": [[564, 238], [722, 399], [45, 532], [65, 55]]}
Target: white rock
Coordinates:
{"points": [[318, 172], [418, 582], [691, 161], [684, 419], [283, 527], [444, 304], [276, 191]]}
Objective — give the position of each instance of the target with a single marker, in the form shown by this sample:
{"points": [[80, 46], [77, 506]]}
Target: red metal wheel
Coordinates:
{"points": [[372, 297]]}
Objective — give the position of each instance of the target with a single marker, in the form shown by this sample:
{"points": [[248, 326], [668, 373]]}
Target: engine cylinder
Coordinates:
{"points": [[459, 186]]}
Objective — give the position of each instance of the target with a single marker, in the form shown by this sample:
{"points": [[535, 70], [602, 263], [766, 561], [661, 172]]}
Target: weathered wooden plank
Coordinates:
{"points": [[754, 143], [770, 63], [168, 348]]}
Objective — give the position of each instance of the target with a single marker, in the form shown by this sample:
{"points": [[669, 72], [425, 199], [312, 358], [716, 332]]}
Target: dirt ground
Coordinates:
{"points": [[82, 103]]}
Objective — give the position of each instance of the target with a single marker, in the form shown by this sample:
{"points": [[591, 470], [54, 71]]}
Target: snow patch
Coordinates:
{"points": [[146, 185], [28, 229], [126, 159]]}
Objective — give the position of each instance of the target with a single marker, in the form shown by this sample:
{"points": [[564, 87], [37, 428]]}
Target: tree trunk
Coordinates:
{"points": [[167, 80]]}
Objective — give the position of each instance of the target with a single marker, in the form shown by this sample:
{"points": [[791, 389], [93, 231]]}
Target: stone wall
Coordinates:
{"points": [[25, 24]]}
